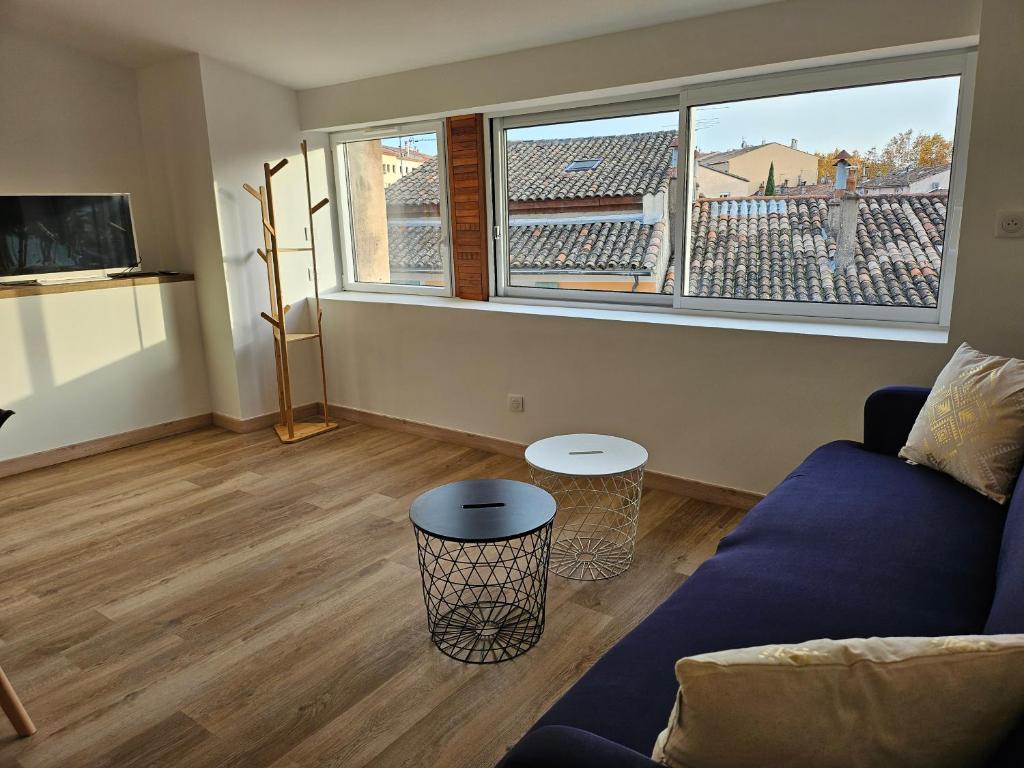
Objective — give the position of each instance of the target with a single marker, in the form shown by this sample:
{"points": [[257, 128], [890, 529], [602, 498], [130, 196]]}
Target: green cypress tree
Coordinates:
{"points": [[769, 186]]}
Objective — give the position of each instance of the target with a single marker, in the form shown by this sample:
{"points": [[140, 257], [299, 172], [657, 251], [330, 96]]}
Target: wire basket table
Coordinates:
{"points": [[483, 549], [597, 481]]}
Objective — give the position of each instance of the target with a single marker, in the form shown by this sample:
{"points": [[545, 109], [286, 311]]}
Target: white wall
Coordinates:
{"points": [[251, 121], [79, 366], [88, 364], [71, 124], [739, 408], [173, 117], [764, 35]]}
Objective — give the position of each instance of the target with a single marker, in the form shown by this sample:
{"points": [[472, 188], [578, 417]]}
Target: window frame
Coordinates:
{"points": [[499, 183], [959, 62], [344, 206], [904, 69]]}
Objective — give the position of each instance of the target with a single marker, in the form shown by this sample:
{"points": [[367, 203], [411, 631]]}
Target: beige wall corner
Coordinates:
{"points": [[251, 121]]}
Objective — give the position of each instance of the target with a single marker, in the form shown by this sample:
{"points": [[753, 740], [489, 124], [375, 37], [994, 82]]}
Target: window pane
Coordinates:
{"points": [[590, 203], [394, 194], [832, 197]]}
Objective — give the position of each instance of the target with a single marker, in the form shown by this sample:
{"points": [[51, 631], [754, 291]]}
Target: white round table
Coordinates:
{"points": [[597, 481]]}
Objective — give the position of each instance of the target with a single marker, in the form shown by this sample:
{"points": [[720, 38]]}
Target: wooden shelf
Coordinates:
{"points": [[290, 337], [17, 291]]}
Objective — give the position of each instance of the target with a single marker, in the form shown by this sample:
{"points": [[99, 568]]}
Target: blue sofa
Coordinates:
{"points": [[855, 542]]}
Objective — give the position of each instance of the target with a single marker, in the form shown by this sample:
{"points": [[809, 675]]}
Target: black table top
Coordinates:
{"points": [[482, 510]]}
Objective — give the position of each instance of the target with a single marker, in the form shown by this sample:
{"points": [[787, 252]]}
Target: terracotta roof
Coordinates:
{"points": [[728, 154], [631, 165], [418, 187], [414, 247], [630, 246], [605, 246], [781, 249], [807, 190], [905, 177], [406, 153]]}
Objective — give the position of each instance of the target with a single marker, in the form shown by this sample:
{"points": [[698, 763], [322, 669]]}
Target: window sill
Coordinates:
{"points": [[816, 326]]}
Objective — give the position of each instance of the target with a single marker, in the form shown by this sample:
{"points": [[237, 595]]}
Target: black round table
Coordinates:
{"points": [[483, 548]]}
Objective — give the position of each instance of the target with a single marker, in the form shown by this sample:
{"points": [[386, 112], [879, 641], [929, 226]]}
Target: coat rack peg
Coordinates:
{"points": [[281, 164], [253, 192], [273, 321], [319, 205]]}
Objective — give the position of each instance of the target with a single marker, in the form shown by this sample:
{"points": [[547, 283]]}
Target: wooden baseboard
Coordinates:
{"points": [[48, 458], [694, 489], [267, 420]]}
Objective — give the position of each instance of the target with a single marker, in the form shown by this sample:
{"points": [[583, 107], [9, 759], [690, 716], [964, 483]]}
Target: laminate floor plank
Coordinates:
{"points": [[216, 600]]}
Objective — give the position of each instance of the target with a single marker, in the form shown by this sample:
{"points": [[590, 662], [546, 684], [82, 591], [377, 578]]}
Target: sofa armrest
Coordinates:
{"points": [[889, 415], [559, 746]]}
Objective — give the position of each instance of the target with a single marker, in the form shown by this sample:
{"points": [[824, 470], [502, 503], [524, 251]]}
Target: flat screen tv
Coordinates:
{"points": [[42, 234]]}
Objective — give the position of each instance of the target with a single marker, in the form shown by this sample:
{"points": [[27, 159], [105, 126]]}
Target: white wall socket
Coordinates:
{"points": [[516, 403], [1010, 224]]}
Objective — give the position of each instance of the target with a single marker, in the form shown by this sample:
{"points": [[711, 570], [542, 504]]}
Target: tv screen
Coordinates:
{"points": [[65, 233]]}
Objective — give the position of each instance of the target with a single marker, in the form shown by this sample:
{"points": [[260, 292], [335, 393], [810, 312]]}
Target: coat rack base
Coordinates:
{"points": [[303, 430]]}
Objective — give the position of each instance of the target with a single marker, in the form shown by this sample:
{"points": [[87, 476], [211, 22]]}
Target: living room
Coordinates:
{"points": [[325, 323]]}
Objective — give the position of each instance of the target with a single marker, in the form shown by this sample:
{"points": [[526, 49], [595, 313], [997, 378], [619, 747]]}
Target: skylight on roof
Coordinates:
{"points": [[583, 165]]}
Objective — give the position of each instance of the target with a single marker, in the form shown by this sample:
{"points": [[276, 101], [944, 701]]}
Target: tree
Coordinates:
{"points": [[932, 149], [899, 150], [769, 186]]}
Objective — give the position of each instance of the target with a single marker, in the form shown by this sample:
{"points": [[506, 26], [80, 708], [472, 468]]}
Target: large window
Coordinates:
{"points": [[586, 200], [829, 193], [392, 194]]}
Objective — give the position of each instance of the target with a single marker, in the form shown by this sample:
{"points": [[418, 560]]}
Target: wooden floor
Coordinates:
{"points": [[221, 600]]}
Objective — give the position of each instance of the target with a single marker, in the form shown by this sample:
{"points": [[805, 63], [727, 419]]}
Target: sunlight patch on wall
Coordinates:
{"points": [[90, 330], [16, 381]]}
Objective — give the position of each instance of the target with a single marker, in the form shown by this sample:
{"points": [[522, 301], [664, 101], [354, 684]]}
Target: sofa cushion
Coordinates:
{"points": [[972, 425], [924, 702], [852, 544], [1007, 614]]}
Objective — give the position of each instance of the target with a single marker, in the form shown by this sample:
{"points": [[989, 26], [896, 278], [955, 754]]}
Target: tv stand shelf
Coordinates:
{"points": [[17, 291]]}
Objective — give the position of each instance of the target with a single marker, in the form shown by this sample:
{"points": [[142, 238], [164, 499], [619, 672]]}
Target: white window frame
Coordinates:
{"points": [[902, 69], [640, 106], [831, 78], [344, 207]]}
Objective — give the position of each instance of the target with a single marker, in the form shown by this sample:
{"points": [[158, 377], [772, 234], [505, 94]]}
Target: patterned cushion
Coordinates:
{"points": [[927, 702], [972, 425]]}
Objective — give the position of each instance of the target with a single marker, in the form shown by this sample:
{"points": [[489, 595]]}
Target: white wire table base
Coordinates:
{"points": [[595, 526]]}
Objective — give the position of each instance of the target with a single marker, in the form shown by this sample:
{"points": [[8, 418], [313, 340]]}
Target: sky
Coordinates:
{"points": [[851, 118]]}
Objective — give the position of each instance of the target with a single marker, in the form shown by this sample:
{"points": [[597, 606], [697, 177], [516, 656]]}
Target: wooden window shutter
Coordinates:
{"points": [[468, 205]]}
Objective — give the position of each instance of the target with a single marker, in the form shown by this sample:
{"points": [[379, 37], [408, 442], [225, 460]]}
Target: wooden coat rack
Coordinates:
{"points": [[288, 429]]}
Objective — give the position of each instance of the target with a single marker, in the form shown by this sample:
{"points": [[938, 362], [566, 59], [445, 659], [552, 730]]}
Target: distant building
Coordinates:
{"points": [[712, 182], [910, 180], [396, 162], [751, 162]]}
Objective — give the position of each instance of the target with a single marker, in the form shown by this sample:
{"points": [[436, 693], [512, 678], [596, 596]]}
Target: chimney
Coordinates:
{"points": [[792, 144], [842, 166], [843, 211]]}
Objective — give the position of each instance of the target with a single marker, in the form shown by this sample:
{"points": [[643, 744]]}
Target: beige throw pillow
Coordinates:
{"points": [[900, 702], [972, 425]]}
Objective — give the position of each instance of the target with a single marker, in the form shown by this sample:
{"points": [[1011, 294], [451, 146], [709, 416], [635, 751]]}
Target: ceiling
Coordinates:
{"points": [[308, 43]]}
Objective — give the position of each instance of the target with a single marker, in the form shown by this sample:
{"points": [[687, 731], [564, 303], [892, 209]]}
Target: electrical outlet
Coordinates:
{"points": [[516, 403], [1010, 224]]}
